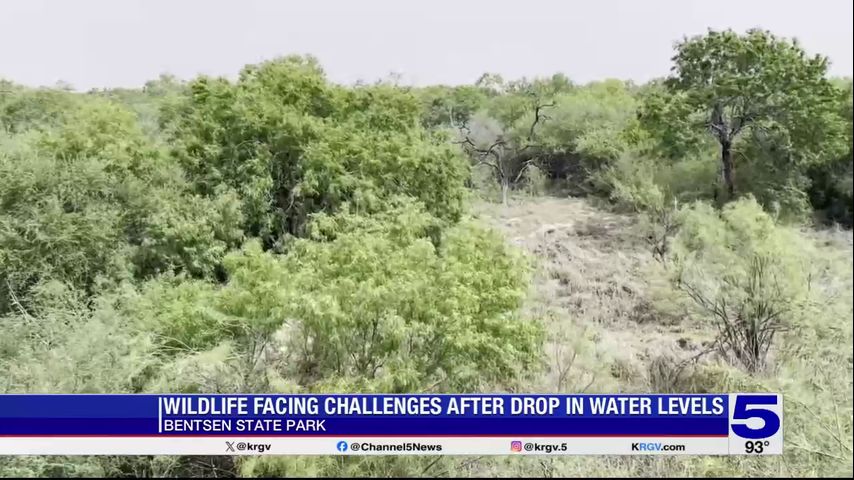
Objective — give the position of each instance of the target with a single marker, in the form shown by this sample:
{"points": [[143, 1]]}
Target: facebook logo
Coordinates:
{"points": [[342, 446]]}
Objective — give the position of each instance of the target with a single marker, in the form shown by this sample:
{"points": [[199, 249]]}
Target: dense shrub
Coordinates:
{"points": [[378, 305], [92, 198], [292, 144], [749, 276]]}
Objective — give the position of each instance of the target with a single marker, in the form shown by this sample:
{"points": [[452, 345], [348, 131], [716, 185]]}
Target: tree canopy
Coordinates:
{"points": [[293, 144], [753, 92]]}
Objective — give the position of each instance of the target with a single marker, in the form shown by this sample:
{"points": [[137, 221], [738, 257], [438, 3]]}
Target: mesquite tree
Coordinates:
{"points": [[754, 85]]}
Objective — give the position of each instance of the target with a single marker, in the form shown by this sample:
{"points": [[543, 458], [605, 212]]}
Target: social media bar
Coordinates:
{"points": [[376, 446]]}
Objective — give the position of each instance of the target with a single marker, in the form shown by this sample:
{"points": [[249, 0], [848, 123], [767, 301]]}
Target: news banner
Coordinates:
{"points": [[725, 424]]}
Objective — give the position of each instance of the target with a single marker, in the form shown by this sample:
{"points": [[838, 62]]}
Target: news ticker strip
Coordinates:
{"points": [[379, 446], [391, 424]]}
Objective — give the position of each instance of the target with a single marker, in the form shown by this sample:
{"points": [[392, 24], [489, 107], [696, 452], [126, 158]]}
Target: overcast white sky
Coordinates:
{"points": [[98, 43]]}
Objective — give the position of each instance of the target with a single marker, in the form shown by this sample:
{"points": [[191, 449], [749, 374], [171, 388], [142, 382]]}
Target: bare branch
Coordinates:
{"points": [[495, 165], [537, 117], [526, 165]]}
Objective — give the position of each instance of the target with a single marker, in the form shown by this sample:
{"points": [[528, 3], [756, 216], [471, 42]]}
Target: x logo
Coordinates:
{"points": [[229, 446]]}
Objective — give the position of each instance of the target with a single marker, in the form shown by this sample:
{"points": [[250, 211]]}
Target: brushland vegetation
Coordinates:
{"points": [[281, 233]]}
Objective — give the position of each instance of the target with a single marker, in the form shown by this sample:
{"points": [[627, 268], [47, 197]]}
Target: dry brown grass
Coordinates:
{"points": [[593, 290]]}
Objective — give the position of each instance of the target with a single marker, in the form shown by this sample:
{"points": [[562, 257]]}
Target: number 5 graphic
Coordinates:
{"points": [[748, 407]]}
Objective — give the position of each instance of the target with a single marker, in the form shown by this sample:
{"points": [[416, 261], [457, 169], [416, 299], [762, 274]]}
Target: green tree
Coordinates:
{"points": [[759, 84], [291, 144]]}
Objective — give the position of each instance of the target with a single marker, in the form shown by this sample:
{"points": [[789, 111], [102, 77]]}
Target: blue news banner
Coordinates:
{"points": [[481, 424]]}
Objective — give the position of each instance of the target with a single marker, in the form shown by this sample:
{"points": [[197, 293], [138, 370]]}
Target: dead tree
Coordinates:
{"points": [[508, 158]]}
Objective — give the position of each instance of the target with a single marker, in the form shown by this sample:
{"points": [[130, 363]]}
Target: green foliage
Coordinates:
{"points": [[639, 183], [92, 198], [768, 105], [818, 406], [58, 220], [831, 182], [669, 125], [22, 109], [346, 467], [105, 131], [147, 102], [49, 467], [750, 276], [184, 232], [760, 82], [511, 101], [563, 131], [448, 106], [630, 182], [376, 303], [589, 121], [292, 144], [182, 315], [66, 343]]}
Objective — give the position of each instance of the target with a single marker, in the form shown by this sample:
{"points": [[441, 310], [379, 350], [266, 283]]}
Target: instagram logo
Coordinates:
{"points": [[515, 446]]}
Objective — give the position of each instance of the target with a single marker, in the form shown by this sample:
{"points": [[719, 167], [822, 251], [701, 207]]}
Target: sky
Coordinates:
{"points": [[123, 43]]}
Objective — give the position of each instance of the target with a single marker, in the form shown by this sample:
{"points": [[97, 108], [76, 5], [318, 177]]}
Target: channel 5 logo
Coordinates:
{"points": [[755, 416], [756, 424]]}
